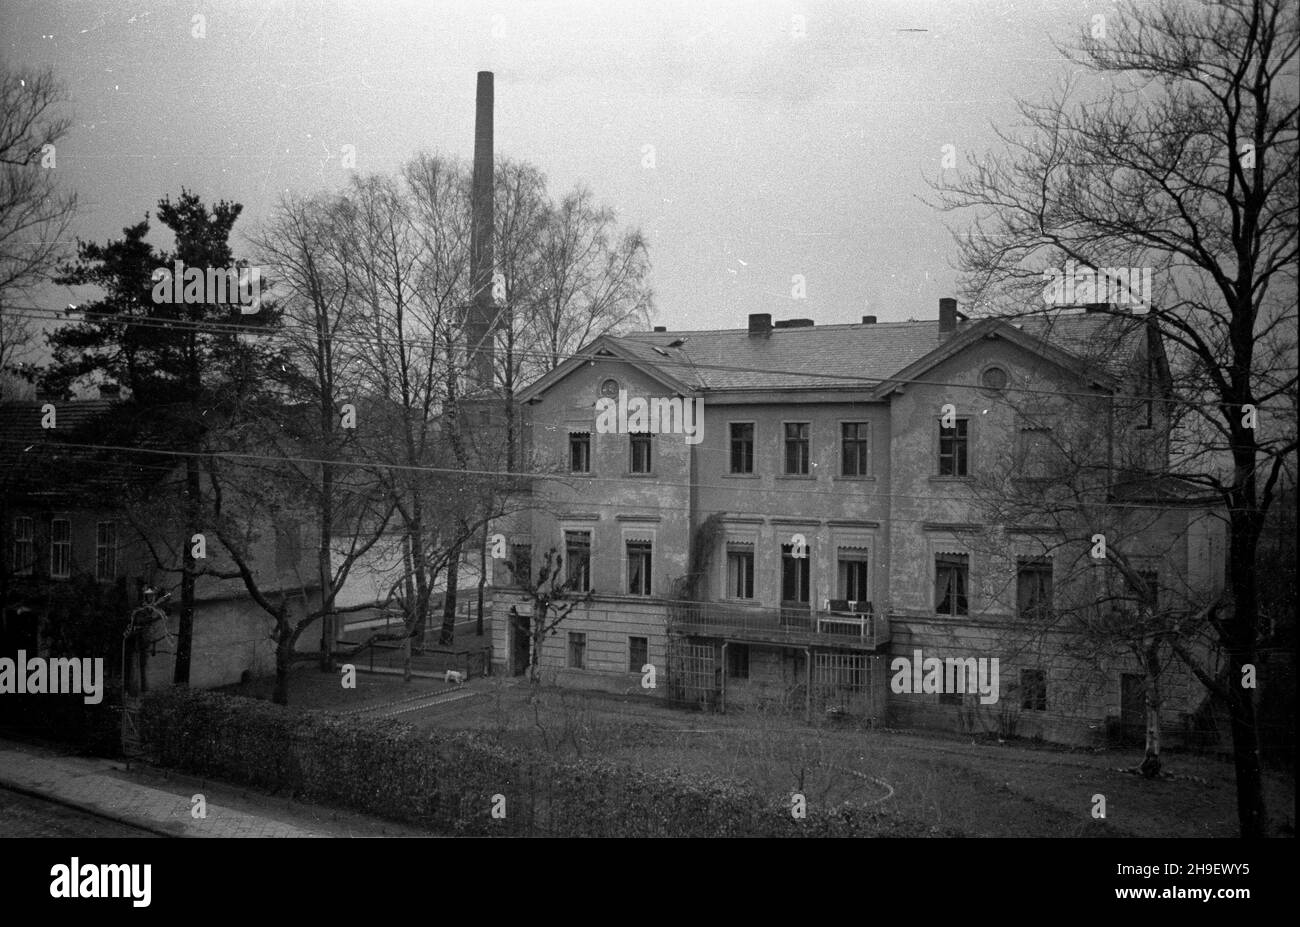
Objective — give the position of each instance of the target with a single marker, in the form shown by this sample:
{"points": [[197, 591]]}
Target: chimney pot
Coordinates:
{"points": [[947, 314], [760, 323], [661, 328], [868, 320]]}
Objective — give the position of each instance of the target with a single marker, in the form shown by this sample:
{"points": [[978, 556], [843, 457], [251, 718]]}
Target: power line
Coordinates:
{"points": [[231, 328], [566, 477]]}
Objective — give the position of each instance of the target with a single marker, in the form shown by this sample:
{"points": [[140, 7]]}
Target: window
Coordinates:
{"points": [[950, 580], [577, 650], [853, 448], [1033, 690], [1038, 454], [737, 661], [742, 447], [795, 574], [579, 452], [796, 448], [106, 551], [852, 580], [1152, 580], [1148, 384], [638, 653], [288, 546], [953, 448], [577, 560], [60, 548], [24, 545], [521, 564], [640, 447], [638, 567], [995, 379], [1034, 589], [740, 571]]}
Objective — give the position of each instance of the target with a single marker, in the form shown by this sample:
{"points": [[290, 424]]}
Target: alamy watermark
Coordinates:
{"points": [[241, 286], [656, 415], [1075, 285], [103, 880], [53, 676], [951, 675]]}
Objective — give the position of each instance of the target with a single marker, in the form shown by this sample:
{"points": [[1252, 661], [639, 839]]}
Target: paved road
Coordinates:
{"points": [[24, 816]]}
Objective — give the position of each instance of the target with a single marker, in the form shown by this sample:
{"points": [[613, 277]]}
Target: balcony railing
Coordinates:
{"points": [[857, 626]]}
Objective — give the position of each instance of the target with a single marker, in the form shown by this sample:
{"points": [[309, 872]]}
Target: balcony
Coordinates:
{"points": [[853, 626]]}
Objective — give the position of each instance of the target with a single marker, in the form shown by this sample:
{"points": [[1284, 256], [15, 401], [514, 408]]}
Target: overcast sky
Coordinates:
{"points": [[774, 154]]}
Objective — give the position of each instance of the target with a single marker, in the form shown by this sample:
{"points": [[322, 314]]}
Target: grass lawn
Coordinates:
{"points": [[979, 788]]}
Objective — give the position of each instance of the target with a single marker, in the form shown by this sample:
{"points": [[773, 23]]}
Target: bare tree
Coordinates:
{"points": [[590, 280], [1186, 167], [35, 212], [552, 597], [306, 253], [1072, 478]]}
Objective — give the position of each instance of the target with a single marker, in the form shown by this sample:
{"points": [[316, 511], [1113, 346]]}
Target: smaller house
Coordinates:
{"points": [[68, 536]]}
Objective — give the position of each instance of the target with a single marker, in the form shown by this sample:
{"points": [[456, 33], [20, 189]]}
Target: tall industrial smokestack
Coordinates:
{"points": [[478, 330]]}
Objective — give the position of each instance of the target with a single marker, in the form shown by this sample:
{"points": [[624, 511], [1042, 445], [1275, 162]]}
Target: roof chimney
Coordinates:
{"points": [[947, 314], [794, 323], [760, 323], [478, 330], [661, 328], [110, 391], [868, 320]]}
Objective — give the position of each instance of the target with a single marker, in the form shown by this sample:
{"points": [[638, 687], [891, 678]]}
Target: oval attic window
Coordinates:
{"points": [[995, 378]]}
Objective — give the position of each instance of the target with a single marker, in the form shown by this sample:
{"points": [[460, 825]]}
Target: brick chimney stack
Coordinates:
{"points": [[478, 328], [760, 324], [947, 315]]}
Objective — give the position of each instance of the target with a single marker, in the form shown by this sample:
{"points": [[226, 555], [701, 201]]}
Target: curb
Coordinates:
{"points": [[93, 810]]}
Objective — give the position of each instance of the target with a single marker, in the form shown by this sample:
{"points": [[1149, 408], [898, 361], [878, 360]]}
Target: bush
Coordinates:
{"points": [[447, 782]]}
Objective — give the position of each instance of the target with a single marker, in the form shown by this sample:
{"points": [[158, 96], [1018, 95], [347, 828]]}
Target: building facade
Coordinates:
{"points": [[775, 516]]}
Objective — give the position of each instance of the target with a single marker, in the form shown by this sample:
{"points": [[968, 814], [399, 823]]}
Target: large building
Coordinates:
{"points": [[775, 515]]}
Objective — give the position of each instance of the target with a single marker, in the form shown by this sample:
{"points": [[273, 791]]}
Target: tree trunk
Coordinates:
{"points": [[1150, 766], [448, 635], [1246, 525], [1251, 815], [185, 627], [285, 642], [482, 580], [325, 569]]}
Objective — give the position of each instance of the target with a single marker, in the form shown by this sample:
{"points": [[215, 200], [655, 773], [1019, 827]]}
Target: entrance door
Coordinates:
{"points": [[519, 643]]}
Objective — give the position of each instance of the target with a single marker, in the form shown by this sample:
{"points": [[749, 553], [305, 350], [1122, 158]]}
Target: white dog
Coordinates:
{"points": [[454, 676]]}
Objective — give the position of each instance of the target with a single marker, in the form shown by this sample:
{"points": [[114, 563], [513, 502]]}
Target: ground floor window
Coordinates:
{"points": [[577, 650]]}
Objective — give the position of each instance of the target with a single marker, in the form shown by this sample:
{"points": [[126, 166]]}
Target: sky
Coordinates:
{"points": [[749, 141]]}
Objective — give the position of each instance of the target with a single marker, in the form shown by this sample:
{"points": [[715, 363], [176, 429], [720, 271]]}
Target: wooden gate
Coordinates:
{"points": [[694, 673]]}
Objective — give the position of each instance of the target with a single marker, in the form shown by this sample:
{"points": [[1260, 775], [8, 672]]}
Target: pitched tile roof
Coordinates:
{"points": [[34, 463], [788, 358], [856, 355]]}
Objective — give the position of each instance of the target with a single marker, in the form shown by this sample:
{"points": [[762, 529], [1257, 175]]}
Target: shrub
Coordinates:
{"points": [[447, 781]]}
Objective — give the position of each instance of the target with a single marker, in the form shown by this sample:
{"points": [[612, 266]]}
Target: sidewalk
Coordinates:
{"points": [[156, 801]]}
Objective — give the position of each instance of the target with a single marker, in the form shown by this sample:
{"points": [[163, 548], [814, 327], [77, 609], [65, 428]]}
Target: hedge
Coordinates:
{"points": [[448, 782]]}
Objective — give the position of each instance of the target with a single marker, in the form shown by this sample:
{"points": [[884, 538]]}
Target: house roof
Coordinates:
{"points": [[788, 358], [861, 356], [52, 465]]}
